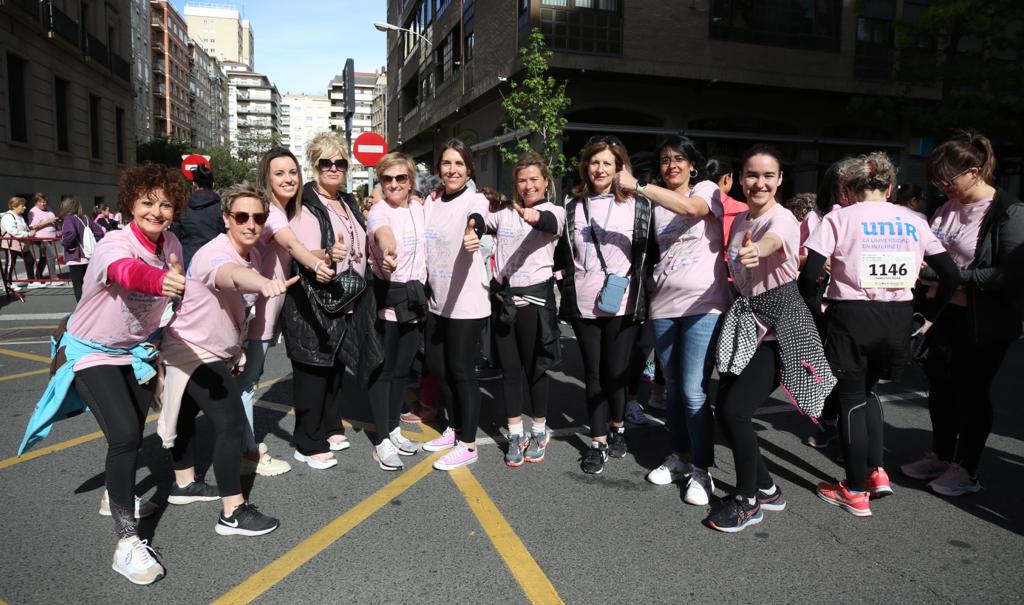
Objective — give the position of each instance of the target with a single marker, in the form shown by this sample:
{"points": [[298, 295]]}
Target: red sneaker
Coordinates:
{"points": [[838, 494], [878, 483]]}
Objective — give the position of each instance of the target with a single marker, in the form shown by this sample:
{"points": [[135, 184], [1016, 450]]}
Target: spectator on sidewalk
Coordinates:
{"points": [[12, 225], [77, 250], [203, 221], [45, 225], [104, 219]]}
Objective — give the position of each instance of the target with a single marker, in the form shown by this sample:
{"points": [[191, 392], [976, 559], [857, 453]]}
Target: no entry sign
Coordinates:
{"points": [[189, 163], [369, 148]]}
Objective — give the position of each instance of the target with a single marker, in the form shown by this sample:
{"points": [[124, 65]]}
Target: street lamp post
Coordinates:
{"points": [[383, 26]]}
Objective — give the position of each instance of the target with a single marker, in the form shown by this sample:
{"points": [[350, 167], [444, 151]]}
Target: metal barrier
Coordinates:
{"points": [[33, 245]]}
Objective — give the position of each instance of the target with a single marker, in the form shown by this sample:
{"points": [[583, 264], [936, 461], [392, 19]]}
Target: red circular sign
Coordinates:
{"points": [[369, 148], [189, 163]]}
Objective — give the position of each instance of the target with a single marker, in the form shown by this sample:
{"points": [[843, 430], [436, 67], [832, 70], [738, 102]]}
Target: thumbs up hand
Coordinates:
{"points": [[338, 252], [749, 253], [390, 261], [470, 241], [529, 215], [174, 280], [277, 287]]}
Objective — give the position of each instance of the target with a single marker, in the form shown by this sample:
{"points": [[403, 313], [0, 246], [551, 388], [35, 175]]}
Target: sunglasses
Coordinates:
{"points": [[242, 218], [606, 139], [325, 165], [401, 179], [947, 183]]}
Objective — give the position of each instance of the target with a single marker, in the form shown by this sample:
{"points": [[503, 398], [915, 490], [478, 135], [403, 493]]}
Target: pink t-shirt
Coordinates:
{"points": [[779, 268], [524, 256], [408, 226], [209, 318], [876, 250], [110, 314], [36, 215], [458, 279], [276, 263], [307, 229], [957, 226], [690, 278], [613, 224]]}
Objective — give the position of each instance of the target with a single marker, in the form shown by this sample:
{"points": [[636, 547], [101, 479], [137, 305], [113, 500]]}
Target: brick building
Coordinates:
{"points": [[170, 67]]}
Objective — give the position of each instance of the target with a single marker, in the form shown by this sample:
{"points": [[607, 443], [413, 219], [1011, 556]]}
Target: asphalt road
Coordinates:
{"points": [[538, 533]]}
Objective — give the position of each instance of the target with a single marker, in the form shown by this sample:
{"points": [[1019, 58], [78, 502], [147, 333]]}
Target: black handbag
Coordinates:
{"points": [[341, 290]]}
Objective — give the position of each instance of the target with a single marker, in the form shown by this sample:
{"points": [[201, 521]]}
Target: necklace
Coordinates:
{"points": [[345, 220]]}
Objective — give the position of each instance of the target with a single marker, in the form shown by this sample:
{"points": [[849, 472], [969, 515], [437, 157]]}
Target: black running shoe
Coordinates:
{"points": [[197, 491], [735, 515], [246, 521], [593, 461], [617, 442], [823, 437]]}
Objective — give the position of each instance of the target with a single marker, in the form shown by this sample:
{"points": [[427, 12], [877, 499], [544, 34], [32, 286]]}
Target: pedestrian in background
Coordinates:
{"points": [[801, 205], [45, 224], [720, 170], [78, 245], [203, 221], [910, 196], [13, 226]]}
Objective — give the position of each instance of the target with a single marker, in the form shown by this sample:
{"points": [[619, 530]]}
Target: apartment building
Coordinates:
{"points": [[728, 73], [222, 32], [302, 118], [66, 123], [207, 95], [379, 105], [254, 109], [170, 68], [142, 75]]}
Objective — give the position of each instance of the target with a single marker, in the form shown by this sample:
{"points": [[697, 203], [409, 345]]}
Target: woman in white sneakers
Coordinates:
{"points": [[525, 316], [875, 250], [691, 291], [458, 302]]}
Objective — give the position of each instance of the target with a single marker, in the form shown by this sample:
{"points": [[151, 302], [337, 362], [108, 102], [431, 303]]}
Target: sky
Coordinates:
{"points": [[302, 44]]}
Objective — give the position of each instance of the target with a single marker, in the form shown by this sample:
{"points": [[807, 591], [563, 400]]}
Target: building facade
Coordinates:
{"points": [[142, 75], [66, 125], [379, 105], [207, 94], [302, 118], [170, 69], [362, 121], [254, 110], [221, 31], [729, 74]]}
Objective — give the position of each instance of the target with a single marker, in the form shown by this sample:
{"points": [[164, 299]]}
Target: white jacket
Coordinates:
{"points": [[13, 225]]}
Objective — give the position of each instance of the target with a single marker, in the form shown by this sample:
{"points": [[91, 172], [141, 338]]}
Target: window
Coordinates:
{"points": [[60, 103], [809, 24], [16, 99], [94, 126], [587, 26], [119, 134]]}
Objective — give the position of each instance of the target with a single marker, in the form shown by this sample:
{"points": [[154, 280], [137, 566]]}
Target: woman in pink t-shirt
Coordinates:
{"points": [[280, 183], [982, 227], [607, 239], [525, 318], [45, 224], [458, 302], [133, 275], [395, 229], [876, 250], [690, 294]]}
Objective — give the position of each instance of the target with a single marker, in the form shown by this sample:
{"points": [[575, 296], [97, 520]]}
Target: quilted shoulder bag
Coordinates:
{"points": [[344, 287]]}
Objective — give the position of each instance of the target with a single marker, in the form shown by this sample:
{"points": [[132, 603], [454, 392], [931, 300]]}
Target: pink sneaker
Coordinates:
{"points": [[445, 441], [459, 456]]}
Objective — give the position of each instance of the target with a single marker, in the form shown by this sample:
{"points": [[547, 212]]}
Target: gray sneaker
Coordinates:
{"points": [[514, 454], [538, 443], [405, 447], [386, 456]]}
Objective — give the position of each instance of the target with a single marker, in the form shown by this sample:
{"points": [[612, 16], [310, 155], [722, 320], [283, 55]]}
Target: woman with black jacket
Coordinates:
{"points": [[982, 227]]}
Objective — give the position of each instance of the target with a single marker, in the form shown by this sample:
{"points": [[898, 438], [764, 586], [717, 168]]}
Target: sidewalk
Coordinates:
{"points": [[43, 305]]}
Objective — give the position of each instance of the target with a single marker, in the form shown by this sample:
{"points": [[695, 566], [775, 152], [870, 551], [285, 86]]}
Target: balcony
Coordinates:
{"points": [[158, 68], [157, 23], [160, 90], [59, 23], [96, 50]]}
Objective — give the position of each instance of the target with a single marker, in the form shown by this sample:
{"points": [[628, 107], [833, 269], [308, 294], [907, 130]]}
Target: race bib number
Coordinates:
{"points": [[888, 269]]}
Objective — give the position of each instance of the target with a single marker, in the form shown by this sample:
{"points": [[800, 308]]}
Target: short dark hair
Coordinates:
{"points": [[717, 167], [762, 149], [202, 176], [687, 148]]}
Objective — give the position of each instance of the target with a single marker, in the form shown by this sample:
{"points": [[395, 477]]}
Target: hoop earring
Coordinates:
{"points": [[693, 173]]}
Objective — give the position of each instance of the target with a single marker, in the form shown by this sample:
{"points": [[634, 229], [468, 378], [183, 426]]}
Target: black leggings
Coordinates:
{"points": [[213, 389], [317, 395], [860, 428], [387, 385], [959, 399], [451, 349], [738, 399], [606, 344], [77, 277], [518, 346], [119, 405], [10, 256]]}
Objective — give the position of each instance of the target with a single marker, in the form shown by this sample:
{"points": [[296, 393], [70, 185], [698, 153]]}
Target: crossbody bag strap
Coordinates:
{"points": [[593, 234]]}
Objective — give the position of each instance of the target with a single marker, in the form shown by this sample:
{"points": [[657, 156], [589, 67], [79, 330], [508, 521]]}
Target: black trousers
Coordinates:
{"points": [[387, 385], [518, 346], [213, 390], [77, 277], [451, 348], [317, 395], [10, 256], [119, 405], [959, 401], [738, 399], [606, 344]]}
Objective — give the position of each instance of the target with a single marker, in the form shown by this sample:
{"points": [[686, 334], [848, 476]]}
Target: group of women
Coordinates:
{"points": [[366, 294]]}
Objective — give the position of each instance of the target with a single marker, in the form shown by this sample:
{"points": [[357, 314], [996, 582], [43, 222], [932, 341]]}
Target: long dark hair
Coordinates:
{"points": [[263, 180]]}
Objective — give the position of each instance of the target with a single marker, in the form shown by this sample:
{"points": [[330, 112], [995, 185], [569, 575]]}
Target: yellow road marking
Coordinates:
{"points": [[524, 568], [24, 374], [63, 445], [28, 356], [264, 579]]}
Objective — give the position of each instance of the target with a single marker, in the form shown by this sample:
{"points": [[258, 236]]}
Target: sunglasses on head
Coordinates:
{"points": [[401, 179], [606, 139], [324, 165], [241, 218]]}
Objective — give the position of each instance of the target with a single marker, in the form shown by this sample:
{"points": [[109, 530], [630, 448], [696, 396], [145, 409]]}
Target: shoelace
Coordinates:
{"points": [[140, 553]]}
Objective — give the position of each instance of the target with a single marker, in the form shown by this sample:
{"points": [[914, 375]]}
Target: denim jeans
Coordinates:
{"points": [[684, 347], [255, 355]]}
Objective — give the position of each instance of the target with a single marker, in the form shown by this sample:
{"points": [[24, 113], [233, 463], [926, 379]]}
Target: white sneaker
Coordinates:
{"points": [[926, 468], [135, 560], [956, 481], [36, 285], [143, 508], [386, 456], [671, 470], [406, 447], [14, 287], [635, 412], [699, 488], [269, 466], [314, 463], [342, 443]]}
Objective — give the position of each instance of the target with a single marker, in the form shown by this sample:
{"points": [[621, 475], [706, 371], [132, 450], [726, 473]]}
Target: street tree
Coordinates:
{"points": [[535, 109]]}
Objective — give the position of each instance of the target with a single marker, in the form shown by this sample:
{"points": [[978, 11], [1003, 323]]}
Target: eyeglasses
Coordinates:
{"points": [[609, 140], [401, 179], [242, 218], [947, 183], [325, 165]]}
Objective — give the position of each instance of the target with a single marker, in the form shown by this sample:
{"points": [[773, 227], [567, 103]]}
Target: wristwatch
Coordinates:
{"points": [[640, 184]]}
